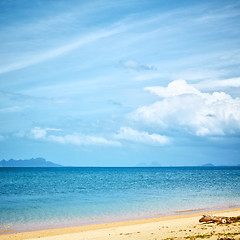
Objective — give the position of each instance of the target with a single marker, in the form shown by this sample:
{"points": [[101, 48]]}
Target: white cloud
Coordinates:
{"points": [[174, 88], [74, 139], [79, 139], [38, 132], [130, 134], [1, 137], [186, 108]]}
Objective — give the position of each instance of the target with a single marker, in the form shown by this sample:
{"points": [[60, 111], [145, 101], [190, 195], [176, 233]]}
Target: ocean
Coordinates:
{"points": [[41, 198]]}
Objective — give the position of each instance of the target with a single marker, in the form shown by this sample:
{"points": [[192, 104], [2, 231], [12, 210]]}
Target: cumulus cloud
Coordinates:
{"points": [[175, 88], [185, 108], [74, 139], [136, 66], [127, 133]]}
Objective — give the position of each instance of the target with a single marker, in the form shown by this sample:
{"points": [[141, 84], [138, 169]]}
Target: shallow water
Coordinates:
{"points": [[32, 198]]}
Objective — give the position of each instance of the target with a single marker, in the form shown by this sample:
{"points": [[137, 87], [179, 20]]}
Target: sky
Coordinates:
{"points": [[120, 83]]}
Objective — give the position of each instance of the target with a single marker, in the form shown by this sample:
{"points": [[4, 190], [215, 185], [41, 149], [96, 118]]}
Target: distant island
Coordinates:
{"points": [[208, 165], [34, 162]]}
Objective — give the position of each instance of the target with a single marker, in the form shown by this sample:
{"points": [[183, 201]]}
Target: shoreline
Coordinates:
{"points": [[180, 216], [4, 229]]}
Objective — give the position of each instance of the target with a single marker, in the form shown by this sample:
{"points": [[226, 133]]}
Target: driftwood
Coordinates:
{"points": [[215, 219]]}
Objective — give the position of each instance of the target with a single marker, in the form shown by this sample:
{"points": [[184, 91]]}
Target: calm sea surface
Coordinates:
{"points": [[35, 198]]}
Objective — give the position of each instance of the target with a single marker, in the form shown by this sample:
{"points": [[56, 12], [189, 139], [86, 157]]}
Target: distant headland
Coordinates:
{"points": [[208, 165], [33, 162]]}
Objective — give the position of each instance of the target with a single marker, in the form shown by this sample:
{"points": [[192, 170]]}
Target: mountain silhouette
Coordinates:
{"points": [[34, 162]]}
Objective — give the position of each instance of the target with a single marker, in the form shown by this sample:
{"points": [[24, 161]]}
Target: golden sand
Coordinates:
{"points": [[184, 226]]}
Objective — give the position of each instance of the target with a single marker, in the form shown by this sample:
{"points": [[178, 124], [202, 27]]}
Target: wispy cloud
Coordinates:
{"points": [[40, 53], [129, 134], [53, 53], [12, 109], [24, 98], [80, 140], [74, 41], [198, 74], [216, 15], [77, 139], [211, 85], [131, 64]]}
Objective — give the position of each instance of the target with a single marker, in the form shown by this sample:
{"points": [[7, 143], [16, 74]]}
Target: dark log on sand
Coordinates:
{"points": [[215, 219]]}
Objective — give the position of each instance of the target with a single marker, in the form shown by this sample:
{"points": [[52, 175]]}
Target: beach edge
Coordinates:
{"points": [[94, 227]]}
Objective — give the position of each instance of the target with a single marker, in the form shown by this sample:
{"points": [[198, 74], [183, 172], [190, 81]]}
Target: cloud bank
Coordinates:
{"points": [[129, 134], [185, 108], [73, 139]]}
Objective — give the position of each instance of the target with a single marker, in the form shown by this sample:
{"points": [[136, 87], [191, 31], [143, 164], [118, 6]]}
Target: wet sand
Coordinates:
{"points": [[184, 226]]}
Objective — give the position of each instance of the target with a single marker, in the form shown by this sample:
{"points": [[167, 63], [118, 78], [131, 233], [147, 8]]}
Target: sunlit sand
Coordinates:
{"points": [[185, 226]]}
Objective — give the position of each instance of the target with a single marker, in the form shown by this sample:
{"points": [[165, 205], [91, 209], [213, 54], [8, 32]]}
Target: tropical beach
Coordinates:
{"points": [[119, 119], [184, 226]]}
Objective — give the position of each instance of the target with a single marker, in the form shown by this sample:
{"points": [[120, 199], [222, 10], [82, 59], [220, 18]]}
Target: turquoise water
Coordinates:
{"points": [[39, 198]]}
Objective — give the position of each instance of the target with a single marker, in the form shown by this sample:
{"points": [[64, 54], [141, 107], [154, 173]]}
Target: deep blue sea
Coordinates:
{"points": [[40, 198]]}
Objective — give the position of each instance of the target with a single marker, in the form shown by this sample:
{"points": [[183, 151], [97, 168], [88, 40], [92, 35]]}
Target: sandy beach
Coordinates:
{"points": [[184, 226]]}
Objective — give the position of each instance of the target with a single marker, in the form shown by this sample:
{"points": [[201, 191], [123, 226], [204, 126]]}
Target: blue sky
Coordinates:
{"points": [[120, 83]]}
